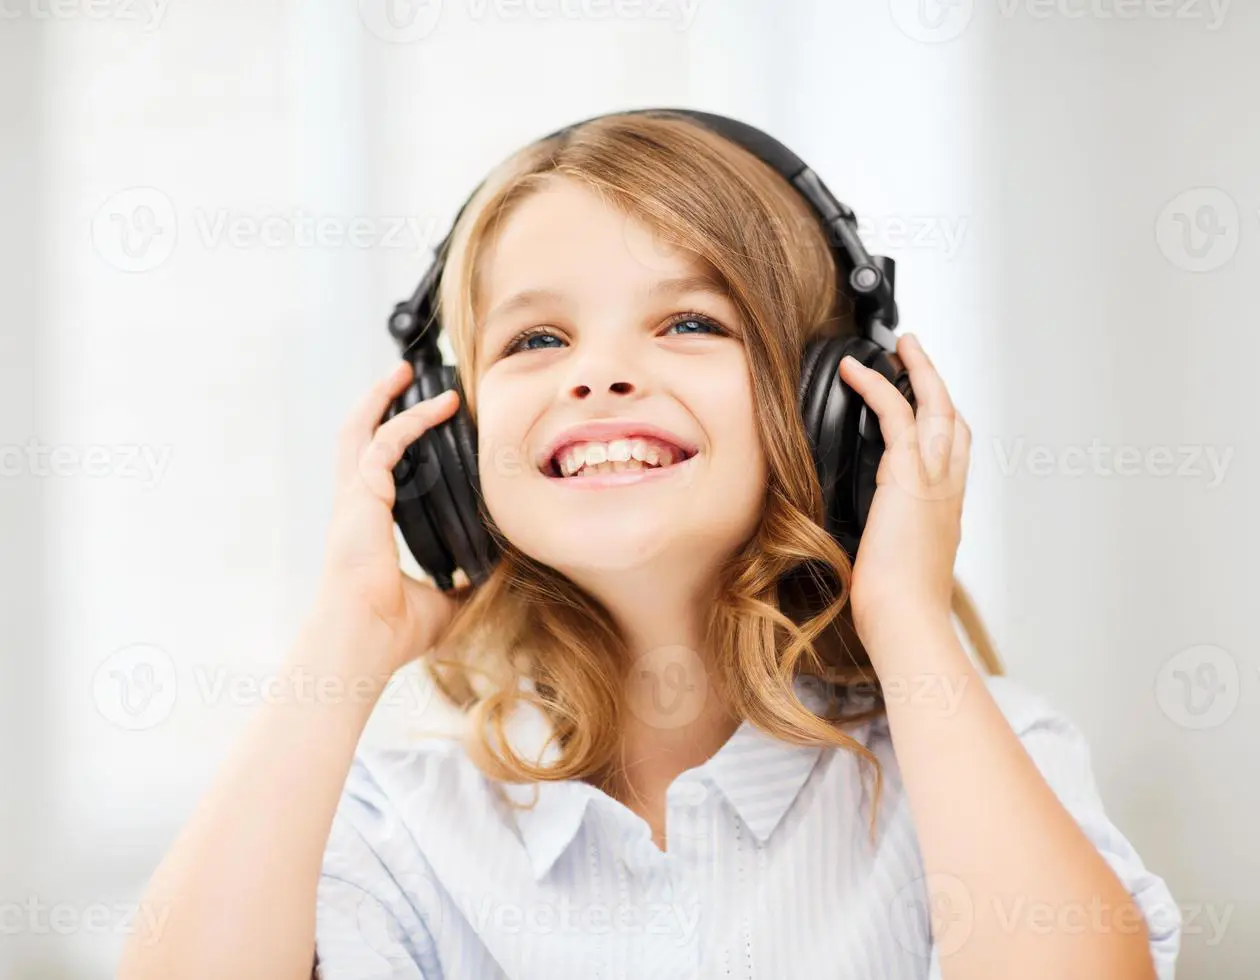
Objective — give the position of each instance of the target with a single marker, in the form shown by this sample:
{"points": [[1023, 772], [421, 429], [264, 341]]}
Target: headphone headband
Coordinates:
{"points": [[870, 278]]}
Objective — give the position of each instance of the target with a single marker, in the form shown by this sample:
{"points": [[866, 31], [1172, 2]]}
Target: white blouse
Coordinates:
{"points": [[770, 871]]}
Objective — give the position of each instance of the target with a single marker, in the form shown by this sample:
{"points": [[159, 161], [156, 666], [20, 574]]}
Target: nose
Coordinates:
{"points": [[581, 391], [606, 363], [603, 371]]}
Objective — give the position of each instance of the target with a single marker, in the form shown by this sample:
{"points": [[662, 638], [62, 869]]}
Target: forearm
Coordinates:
{"points": [[993, 834], [235, 894]]}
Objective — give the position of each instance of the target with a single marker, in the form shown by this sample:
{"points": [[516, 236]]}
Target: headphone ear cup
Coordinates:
{"points": [[449, 491], [809, 367], [463, 481], [835, 418], [415, 474], [869, 447]]}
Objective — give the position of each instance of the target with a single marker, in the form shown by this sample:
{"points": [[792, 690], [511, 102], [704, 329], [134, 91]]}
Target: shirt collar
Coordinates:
{"points": [[759, 775]]}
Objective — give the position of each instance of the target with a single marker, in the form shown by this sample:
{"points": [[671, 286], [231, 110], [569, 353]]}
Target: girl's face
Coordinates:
{"points": [[617, 330]]}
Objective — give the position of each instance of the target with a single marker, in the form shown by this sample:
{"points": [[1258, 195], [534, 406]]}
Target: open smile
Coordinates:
{"points": [[604, 479]]}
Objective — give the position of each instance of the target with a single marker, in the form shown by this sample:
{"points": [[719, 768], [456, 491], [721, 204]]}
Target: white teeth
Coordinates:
{"points": [[615, 456], [619, 450], [614, 467]]}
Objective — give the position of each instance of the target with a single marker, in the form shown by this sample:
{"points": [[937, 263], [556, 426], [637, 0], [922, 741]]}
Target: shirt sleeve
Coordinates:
{"points": [[367, 923], [1062, 754]]}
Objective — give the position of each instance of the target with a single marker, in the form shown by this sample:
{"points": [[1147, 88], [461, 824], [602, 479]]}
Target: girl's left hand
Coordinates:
{"points": [[905, 562]]}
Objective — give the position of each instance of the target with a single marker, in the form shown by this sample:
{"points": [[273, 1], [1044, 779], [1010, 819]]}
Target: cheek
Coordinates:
{"points": [[725, 404], [502, 449]]}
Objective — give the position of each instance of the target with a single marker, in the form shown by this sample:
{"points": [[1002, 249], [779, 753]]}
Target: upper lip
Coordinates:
{"points": [[606, 430]]}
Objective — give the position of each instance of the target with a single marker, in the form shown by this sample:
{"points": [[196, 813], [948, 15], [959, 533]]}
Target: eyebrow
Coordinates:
{"points": [[677, 286]]}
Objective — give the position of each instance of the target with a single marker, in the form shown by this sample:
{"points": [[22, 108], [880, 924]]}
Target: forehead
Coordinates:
{"points": [[566, 238]]}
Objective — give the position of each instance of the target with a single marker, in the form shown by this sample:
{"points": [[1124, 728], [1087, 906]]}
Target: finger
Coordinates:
{"points": [[929, 388], [411, 424], [362, 422], [881, 396], [391, 440], [936, 413]]}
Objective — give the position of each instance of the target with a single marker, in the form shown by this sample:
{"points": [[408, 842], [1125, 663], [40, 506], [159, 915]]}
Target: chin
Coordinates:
{"points": [[577, 544]]}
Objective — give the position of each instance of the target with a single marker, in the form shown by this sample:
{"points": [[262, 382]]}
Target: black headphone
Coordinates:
{"points": [[439, 506]]}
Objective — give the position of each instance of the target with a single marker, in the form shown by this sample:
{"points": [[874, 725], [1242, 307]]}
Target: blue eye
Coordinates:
{"points": [[695, 318], [522, 340]]}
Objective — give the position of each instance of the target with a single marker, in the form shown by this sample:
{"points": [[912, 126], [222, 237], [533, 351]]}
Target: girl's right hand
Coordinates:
{"points": [[362, 579]]}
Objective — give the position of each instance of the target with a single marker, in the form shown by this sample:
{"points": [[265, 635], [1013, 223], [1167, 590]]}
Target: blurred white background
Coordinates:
{"points": [[210, 208]]}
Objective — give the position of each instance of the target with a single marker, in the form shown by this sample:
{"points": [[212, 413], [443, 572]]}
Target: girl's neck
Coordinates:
{"points": [[652, 757]]}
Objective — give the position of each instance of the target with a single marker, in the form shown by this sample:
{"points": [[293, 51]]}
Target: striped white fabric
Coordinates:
{"points": [[770, 871]]}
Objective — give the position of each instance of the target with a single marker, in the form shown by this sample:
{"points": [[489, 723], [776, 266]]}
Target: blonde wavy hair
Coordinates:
{"points": [[782, 599]]}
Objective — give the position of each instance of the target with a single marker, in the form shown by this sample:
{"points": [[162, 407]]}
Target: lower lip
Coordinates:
{"points": [[626, 478]]}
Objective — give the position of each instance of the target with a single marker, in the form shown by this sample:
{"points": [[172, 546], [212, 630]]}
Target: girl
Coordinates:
{"points": [[701, 742]]}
